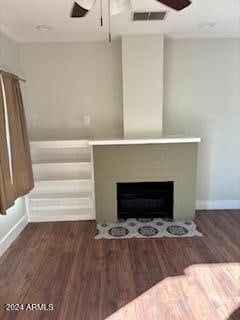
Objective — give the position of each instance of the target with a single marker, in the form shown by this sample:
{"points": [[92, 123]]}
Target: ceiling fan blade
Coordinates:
{"points": [[78, 11], [176, 4]]}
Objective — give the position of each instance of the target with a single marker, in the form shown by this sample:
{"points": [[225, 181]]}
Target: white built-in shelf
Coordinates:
{"points": [[72, 195], [62, 171], [61, 144], [64, 204], [64, 155], [64, 187], [71, 214], [64, 177], [61, 161]]}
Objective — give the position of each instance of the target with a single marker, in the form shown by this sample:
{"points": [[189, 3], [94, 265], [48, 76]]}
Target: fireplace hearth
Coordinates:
{"points": [[145, 199]]}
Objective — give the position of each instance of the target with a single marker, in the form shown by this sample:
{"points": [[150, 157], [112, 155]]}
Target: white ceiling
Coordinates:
{"points": [[19, 18]]}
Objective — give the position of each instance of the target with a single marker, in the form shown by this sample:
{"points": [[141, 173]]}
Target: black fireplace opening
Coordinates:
{"points": [[145, 199]]}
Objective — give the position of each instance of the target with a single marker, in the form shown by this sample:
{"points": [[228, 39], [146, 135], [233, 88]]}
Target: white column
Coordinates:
{"points": [[142, 65]]}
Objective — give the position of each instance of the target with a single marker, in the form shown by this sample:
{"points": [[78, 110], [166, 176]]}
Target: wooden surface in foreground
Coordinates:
{"points": [[143, 279]]}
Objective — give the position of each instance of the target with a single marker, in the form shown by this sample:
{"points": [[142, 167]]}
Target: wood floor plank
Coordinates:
{"points": [[144, 279]]}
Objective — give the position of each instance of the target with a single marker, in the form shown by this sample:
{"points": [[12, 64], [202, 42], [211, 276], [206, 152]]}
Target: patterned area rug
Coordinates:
{"points": [[147, 228]]}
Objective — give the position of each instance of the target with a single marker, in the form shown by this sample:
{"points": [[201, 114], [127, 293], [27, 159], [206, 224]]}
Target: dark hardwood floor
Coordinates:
{"points": [[143, 279]]}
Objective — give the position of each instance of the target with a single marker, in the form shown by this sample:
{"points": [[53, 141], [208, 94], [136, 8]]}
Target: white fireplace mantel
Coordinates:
{"points": [[161, 140]]}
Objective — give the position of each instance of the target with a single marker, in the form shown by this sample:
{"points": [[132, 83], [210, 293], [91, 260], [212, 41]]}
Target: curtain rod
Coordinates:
{"points": [[12, 74]]}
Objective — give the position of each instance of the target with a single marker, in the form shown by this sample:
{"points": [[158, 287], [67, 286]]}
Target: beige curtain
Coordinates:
{"points": [[16, 177]]}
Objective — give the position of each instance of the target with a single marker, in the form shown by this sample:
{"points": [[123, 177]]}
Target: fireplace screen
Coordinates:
{"points": [[145, 200]]}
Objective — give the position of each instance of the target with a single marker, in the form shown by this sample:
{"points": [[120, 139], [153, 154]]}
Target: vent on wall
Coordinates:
{"points": [[149, 15]]}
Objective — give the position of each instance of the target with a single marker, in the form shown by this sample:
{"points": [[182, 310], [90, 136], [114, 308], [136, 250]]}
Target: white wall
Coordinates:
{"points": [[9, 55], [202, 97], [142, 67], [65, 82], [16, 216]]}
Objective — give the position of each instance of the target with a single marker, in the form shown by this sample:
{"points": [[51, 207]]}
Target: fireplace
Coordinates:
{"points": [[145, 200]]}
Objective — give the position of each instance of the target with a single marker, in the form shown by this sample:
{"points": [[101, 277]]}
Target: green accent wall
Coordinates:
{"points": [[147, 162]]}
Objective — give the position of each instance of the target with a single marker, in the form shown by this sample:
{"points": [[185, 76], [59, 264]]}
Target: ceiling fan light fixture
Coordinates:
{"points": [[119, 6], [86, 4]]}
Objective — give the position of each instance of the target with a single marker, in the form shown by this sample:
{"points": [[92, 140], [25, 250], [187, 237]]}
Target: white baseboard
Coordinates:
{"points": [[218, 204], [50, 218], [12, 234]]}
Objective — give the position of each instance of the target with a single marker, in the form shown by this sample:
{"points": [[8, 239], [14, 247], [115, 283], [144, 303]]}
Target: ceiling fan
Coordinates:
{"points": [[82, 7]]}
